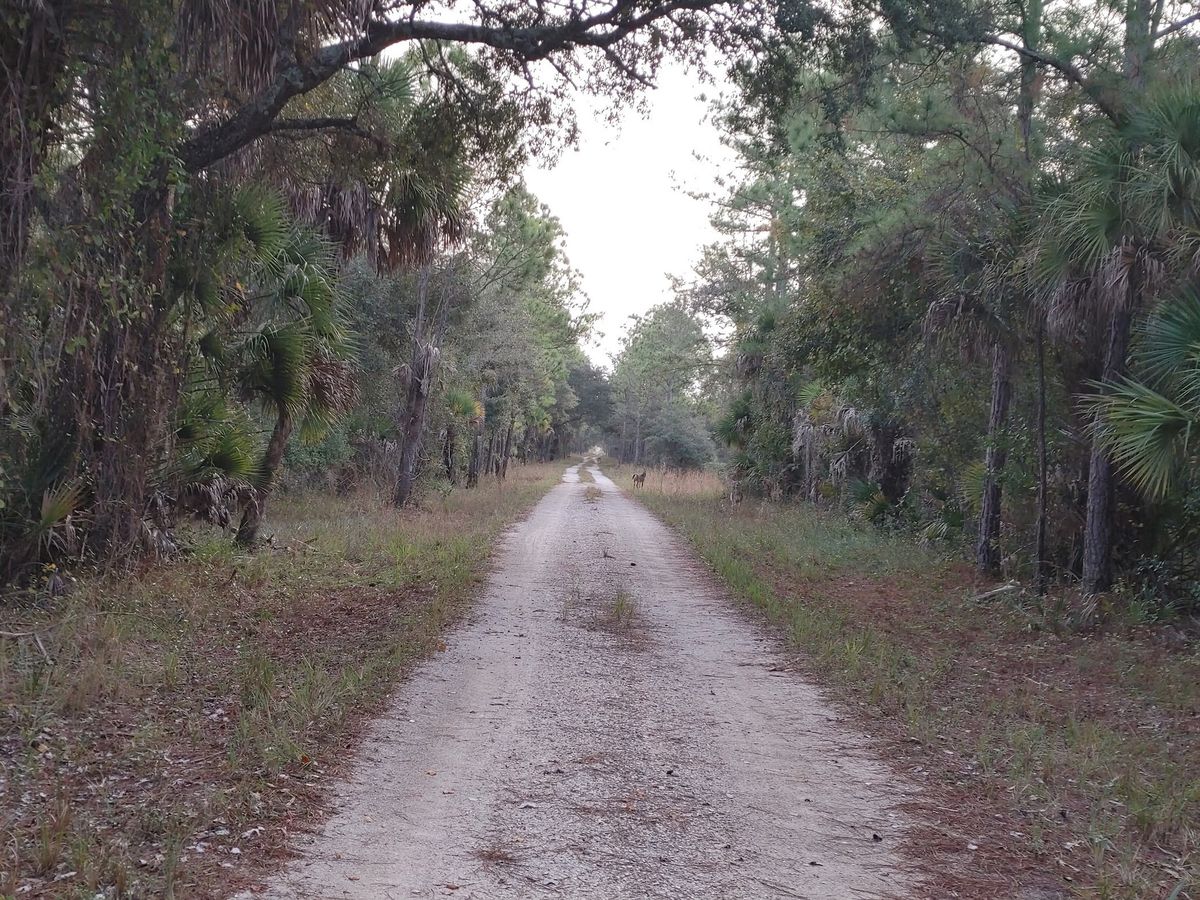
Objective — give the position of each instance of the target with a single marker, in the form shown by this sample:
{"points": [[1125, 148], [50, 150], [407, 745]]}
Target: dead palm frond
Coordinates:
{"points": [[389, 179], [238, 42]]}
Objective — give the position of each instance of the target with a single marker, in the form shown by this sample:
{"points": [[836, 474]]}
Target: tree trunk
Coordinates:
{"points": [[507, 449], [420, 385], [413, 428], [1040, 539], [637, 438], [247, 533], [476, 455], [884, 468], [987, 548], [33, 54], [624, 436], [117, 388], [1097, 535], [448, 454]]}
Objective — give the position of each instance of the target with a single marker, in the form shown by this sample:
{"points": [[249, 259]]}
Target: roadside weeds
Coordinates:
{"points": [[166, 734], [1067, 764]]}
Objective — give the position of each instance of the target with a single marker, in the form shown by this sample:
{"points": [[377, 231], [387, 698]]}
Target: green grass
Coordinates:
{"points": [[1085, 741], [622, 611], [215, 695]]}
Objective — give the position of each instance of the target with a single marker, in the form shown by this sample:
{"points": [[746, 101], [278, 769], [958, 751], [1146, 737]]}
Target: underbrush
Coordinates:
{"points": [[164, 732], [1067, 758]]}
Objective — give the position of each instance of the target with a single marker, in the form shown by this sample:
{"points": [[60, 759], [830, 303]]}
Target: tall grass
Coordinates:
{"points": [[1088, 740], [204, 689]]}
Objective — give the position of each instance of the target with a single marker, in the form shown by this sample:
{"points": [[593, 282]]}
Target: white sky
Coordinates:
{"points": [[621, 199]]}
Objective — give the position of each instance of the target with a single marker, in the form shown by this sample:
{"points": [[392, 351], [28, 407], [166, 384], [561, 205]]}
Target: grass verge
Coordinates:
{"points": [[1069, 762], [164, 734]]}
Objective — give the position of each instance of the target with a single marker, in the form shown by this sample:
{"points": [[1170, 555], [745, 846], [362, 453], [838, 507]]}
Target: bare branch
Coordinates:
{"points": [[1099, 95], [1176, 26]]}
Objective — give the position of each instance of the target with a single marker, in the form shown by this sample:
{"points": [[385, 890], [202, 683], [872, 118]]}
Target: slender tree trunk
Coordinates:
{"points": [[425, 355], [1040, 540], [448, 454], [413, 426], [411, 447], [624, 436], [507, 449], [33, 54], [476, 455], [637, 438], [987, 548], [476, 458], [252, 516], [1097, 535]]}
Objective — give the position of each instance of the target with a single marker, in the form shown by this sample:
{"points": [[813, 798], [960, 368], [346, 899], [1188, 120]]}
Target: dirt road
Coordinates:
{"points": [[607, 725]]}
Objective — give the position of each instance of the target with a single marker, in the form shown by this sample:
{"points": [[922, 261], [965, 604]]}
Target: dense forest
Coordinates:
{"points": [[296, 372], [956, 288], [241, 243]]}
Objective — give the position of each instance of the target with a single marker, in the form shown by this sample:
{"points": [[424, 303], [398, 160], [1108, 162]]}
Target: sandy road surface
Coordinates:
{"points": [[606, 726]]}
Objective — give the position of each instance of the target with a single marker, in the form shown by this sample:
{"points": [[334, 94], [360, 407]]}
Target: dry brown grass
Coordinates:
{"points": [[1071, 760], [155, 724], [699, 483]]}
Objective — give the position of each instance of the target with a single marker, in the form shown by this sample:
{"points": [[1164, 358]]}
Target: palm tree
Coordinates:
{"points": [[460, 406], [390, 179], [1125, 229], [264, 319], [295, 362], [1150, 423]]}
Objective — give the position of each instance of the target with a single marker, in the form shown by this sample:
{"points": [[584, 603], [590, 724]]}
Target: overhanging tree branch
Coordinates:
{"points": [[1098, 94], [325, 123], [212, 143], [1176, 26]]}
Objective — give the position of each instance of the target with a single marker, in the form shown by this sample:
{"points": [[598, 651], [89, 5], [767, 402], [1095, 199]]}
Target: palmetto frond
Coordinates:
{"points": [[262, 220], [225, 448], [1170, 339], [1166, 185], [389, 179], [1132, 211], [1148, 433], [1148, 425], [734, 427], [809, 393], [215, 474], [331, 391], [461, 403], [972, 482], [278, 365], [201, 413], [869, 500]]}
